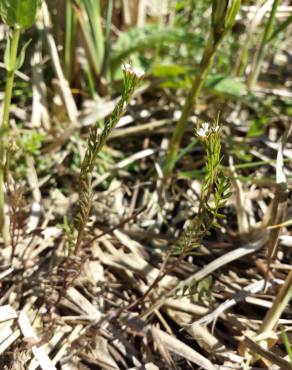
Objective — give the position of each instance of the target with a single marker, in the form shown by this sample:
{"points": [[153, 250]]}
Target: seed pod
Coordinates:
{"points": [[19, 13]]}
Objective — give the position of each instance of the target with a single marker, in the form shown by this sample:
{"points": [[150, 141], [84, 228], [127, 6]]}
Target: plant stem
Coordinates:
{"points": [[282, 27], [107, 43], [205, 66], [6, 111], [68, 39], [10, 76], [265, 39]]}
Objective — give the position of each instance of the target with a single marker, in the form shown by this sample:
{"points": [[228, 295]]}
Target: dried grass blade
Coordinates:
{"points": [[27, 330], [7, 313], [163, 350], [238, 297], [210, 267], [178, 347], [279, 203], [283, 364]]}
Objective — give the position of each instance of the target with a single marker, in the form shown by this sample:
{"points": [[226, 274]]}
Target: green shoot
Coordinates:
{"points": [[287, 344], [215, 191], [214, 195], [95, 142]]}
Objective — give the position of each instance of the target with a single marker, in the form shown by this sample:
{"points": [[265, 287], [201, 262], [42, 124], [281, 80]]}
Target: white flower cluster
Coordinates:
{"points": [[206, 129], [137, 72]]}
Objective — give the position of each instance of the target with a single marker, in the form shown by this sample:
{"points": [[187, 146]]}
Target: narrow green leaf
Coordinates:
{"points": [[225, 85]]}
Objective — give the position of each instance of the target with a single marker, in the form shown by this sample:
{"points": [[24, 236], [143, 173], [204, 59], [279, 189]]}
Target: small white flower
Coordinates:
{"points": [[137, 72], [204, 130], [201, 133], [126, 67], [215, 129]]}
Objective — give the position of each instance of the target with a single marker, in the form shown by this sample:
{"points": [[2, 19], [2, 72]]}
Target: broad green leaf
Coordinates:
{"points": [[174, 76], [168, 70], [19, 13], [225, 85]]}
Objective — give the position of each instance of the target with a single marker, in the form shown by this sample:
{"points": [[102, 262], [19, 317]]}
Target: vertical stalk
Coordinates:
{"points": [[261, 53], [10, 76], [6, 111], [204, 68], [107, 43]]}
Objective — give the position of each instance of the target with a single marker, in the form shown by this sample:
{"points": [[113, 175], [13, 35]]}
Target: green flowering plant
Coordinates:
{"points": [[214, 194], [131, 78], [18, 15]]}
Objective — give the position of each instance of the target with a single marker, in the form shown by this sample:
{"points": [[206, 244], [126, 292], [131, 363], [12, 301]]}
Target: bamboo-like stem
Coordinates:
{"points": [[6, 111], [253, 77]]}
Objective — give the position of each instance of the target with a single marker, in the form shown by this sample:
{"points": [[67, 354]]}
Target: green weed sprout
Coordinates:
{"points": [[19, 15], [214, 194], [96, 141], [222, 20]]}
